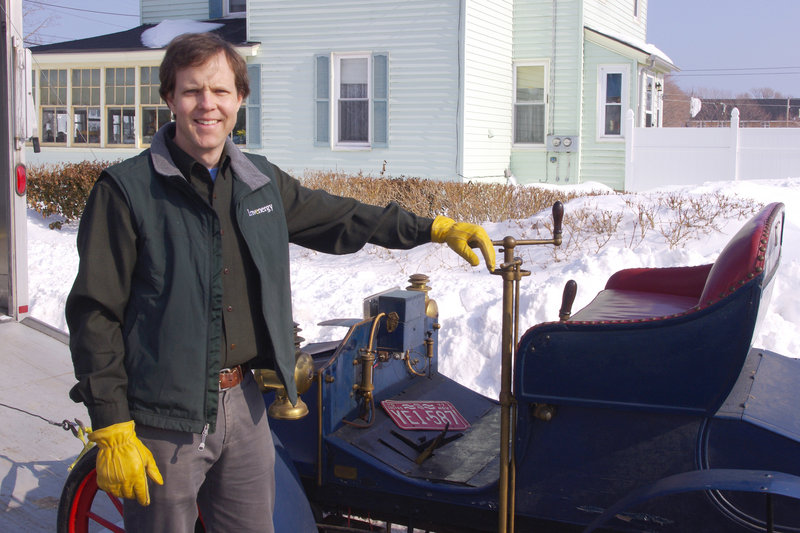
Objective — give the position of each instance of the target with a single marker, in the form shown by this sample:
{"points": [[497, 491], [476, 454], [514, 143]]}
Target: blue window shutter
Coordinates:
{"points": [[380, 100], [322, 100], [215, 9], [254, 105]]}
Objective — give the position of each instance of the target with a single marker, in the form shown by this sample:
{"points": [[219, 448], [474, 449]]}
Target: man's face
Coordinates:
{"points": [[205, 103]]}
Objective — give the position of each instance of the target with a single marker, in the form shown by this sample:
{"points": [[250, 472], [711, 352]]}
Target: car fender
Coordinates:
{"points": [[292, 511], [761, 481]]}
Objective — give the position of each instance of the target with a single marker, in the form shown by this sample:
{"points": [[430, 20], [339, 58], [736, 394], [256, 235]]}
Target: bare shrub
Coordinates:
{"points": [[469, 202], [62, 189]]}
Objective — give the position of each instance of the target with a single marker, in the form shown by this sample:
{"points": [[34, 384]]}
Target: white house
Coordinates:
{"points": [[445, 89]]}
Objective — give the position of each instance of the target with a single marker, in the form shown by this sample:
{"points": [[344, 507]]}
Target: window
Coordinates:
{"points": [[86, 125], [55, 122], [612, 96], [120, 110], [233, 7], [253, 107], [529, 104], [352, 100], [649, 104], [239, 132], [352, 103], [154, 113], [86, 106], [53, 99]]}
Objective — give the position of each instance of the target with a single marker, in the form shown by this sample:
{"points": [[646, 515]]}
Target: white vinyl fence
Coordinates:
{"points": [[655, 157]]}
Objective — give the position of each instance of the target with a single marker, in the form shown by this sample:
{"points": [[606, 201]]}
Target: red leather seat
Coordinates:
{"points": [[652, 293]]}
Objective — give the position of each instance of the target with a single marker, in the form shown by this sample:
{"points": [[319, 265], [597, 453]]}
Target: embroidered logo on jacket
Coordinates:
{"points": [[265, 209]]}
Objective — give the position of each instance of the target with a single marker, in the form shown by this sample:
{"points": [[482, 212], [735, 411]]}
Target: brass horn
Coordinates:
{"points": [[282, 408]]}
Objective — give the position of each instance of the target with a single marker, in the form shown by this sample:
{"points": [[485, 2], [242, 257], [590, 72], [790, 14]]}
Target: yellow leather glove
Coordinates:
{"points": [[461, 236], [122, 461]]}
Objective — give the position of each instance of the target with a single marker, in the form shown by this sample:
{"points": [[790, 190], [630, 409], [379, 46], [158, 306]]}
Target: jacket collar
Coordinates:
{"points": [[242, 167]]}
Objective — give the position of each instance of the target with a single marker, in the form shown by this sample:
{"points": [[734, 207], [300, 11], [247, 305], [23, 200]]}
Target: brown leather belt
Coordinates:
{"points": [[230, 377]]}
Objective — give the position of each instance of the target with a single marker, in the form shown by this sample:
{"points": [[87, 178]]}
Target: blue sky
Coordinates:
{"points": [[754, 42], [700, 35]]}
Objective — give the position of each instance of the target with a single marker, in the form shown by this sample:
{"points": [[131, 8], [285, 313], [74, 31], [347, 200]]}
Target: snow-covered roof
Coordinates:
{"points": [[150, 36], [640, 45]]}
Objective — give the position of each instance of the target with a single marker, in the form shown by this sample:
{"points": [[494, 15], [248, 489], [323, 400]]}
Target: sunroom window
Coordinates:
{"points": [[120, 106], [86, 106], [154, 112], [53, 99]]}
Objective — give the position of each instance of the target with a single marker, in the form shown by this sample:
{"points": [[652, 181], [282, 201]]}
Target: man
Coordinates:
{"points": [[183, 286]]}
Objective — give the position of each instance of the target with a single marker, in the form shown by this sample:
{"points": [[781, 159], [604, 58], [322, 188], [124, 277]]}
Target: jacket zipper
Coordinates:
{"points": [[203, 436]]}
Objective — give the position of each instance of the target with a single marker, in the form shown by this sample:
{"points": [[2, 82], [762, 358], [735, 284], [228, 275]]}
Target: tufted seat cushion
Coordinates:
{"points": [[651, 293]]}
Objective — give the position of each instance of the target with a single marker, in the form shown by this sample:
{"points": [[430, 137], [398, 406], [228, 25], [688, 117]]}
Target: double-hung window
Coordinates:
{"points": [[351, 100], [612, 100], [530, 103]]}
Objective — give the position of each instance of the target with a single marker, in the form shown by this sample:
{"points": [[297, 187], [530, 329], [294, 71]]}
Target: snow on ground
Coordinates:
{"points": [[469, 299]]}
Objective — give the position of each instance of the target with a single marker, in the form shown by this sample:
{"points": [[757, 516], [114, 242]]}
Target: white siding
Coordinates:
{"points": [[603, 160], [535, 24], [488, 81], [154, 11], [615, 17], [420, 38]]}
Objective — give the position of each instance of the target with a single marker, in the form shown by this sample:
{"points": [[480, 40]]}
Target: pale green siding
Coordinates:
{"points": [[616, 18], [487, 88], [535, 24], [421, 40], [153, 11], [603, 160]]}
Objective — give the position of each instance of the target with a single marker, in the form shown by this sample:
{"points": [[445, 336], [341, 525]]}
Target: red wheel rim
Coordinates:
{"points": [[81, 514]]}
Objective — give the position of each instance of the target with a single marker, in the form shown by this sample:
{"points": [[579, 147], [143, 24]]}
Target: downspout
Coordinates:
{"points": [[581, 88], [551, 104], [552, 90], [459, 161]]}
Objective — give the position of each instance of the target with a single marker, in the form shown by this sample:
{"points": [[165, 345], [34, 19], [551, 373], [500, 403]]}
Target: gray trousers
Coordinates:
{"points": [[231, 481]]}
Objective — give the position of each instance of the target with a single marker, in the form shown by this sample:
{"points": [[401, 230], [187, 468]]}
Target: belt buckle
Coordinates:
{"points": [[227, 371]]}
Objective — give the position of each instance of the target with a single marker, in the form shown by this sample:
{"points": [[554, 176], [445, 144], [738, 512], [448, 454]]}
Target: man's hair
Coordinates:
{"points": [[194, 49]]}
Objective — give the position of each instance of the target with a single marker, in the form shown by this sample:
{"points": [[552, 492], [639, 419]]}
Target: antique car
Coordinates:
{"points": [[647, 410]]}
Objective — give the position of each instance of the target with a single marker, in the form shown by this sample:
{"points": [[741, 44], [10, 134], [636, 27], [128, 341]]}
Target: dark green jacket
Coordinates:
{"points": [[157, 361]]}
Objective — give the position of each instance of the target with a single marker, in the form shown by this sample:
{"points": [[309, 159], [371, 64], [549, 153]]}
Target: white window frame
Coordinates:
{"points": [[648, 81], [335, 71], [546, 98], [602, 74], [227, 13]]}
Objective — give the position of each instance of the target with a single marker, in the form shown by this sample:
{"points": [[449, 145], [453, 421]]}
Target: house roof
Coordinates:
{"points": [[663, 60], [233, 30]]}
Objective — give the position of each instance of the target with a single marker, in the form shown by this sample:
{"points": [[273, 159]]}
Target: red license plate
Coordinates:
{"points": [[425, 415]]}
